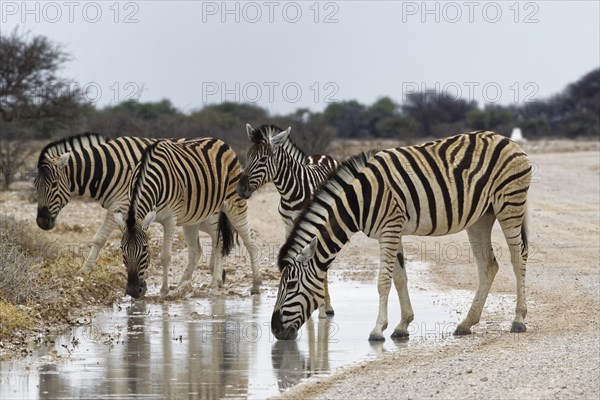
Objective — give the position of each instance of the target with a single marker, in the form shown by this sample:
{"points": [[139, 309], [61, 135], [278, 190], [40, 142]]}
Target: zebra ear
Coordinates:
{"points": [[278, 139], [148, 220], [307, 252], [119, 219], [249, 131], [63, 160]]}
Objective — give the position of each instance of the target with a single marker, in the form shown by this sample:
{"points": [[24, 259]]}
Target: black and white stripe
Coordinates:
{"points": [[92, 166], [465, 182], [183, 183], [274, 157]]}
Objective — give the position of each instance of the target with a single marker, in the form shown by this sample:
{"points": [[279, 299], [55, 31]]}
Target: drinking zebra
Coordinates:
{"points": [[183, 183], [442, 187], [92, 166], [273, 157]]}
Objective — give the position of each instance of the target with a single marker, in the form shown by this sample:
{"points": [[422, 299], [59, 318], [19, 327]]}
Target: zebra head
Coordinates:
{"points": [[261, 164], [135, 248], [301, 290], [53, 189]]}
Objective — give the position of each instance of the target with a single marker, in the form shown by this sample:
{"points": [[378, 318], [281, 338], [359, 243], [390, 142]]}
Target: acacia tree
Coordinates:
{"points": [[34, 101]]}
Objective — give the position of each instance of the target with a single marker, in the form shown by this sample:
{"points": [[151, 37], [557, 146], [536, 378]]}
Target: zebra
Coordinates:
{"points": [[183, 183], [273, 157], [93, 166], [464, 182]]}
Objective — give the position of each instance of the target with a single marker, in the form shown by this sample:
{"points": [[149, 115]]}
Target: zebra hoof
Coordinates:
{"points": [[399, 335], [255, 290], [518, 327], [184, 288], [376, 337], [461, 331]]}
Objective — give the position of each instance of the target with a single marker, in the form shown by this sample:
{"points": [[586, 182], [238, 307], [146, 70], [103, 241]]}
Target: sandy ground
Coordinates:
{"points": [[556, 358]]}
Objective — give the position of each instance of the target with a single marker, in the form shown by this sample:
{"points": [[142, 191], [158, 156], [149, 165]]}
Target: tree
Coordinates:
{"points": [[433, 110], [397, 127], [309, 130], [34, 101], [30, 90], [347, 117], [227, 121], [492, 118], [13, 154], [572, 113], [151, 119], [382, 109]]}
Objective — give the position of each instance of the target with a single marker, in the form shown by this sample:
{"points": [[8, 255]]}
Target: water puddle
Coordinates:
{"points": [[212, 348]]}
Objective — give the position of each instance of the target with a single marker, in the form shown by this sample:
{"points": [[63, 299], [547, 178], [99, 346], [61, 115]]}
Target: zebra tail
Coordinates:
{"points": [[225, 234], [525, 230]]}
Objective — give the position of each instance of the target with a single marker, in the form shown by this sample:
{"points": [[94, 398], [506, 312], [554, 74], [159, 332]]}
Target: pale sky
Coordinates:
{"points": [[283, 55]]}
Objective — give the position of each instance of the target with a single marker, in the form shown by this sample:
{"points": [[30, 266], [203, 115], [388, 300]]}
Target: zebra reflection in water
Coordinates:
{"points": [[291, 365]]}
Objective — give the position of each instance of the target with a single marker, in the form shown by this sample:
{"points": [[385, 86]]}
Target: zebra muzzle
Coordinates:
{"points": [[44, 219], [278, 329], [136, 291], [243, 187]]}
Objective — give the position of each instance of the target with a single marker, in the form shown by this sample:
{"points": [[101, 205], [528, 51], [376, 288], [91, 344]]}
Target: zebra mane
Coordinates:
{"points": [[74, 142], [263, 132], [138, 181], [335, 184]]}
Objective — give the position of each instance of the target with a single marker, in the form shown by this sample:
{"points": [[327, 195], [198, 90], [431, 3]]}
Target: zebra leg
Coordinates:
{"points": [[107, 227], [401, 283], [194, 251], [217, 258], [211, 227], [516, 237], [236, 212], [480, 238], [384, 282], [327, 306], [165, 254]]}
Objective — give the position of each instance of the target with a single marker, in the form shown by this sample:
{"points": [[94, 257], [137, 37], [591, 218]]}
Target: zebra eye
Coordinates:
{"points": [[54, 184], [290, 284]]}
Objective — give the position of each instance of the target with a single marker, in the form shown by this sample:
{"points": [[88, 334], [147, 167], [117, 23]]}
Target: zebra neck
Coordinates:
{"points": [[79, 171], [141, 205], [332, 230], [89, 174], [290, 161], [334, 215]]}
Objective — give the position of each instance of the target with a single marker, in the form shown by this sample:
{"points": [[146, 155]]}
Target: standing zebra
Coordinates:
{"points": [[273, 157], [462, 182], [183, 183], [89, 165]]}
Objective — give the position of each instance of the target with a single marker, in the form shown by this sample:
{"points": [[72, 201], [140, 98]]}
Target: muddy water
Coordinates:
{"points": [[211, 348]]}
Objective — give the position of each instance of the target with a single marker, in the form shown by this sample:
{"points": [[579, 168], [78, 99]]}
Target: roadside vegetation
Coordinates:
{"points": [[39, 285]]}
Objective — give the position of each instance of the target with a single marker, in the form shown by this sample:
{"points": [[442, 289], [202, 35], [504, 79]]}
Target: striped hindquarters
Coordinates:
{"points": [[447, 185], [191, 179]]}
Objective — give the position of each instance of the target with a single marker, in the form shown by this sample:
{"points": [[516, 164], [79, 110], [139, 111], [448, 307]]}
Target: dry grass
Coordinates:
{"points": [[13, 319], [39, 283]]}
